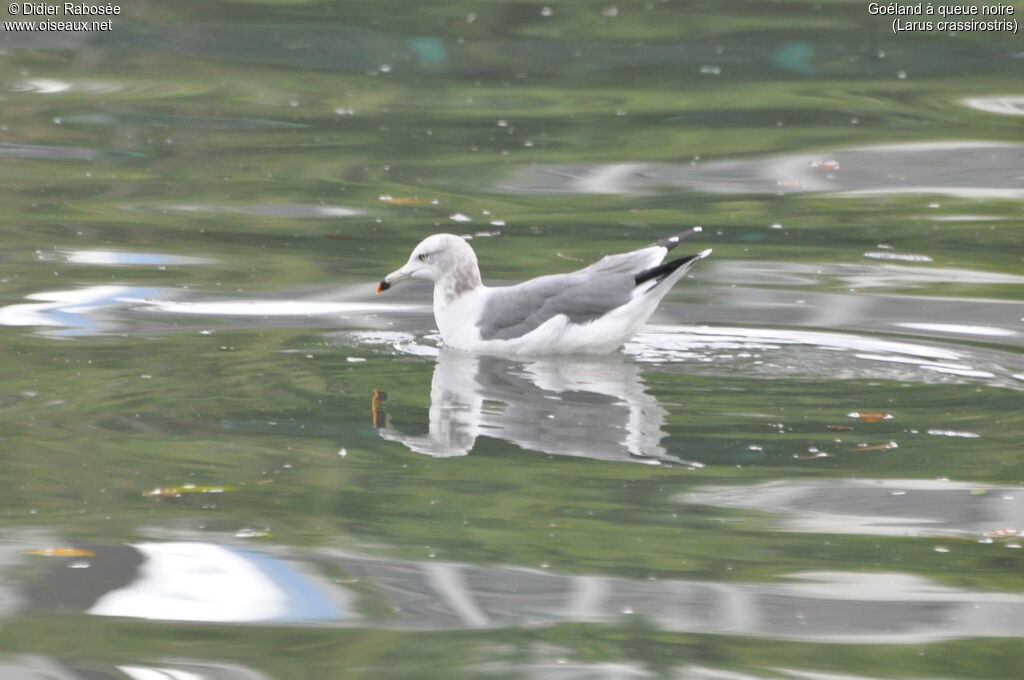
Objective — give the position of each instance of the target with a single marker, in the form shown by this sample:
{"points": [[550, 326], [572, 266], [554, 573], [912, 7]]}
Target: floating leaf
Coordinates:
{"points": [[62, 552], [177, 491], [878, 447], [870, 416], [162, 493], [404, 200]]}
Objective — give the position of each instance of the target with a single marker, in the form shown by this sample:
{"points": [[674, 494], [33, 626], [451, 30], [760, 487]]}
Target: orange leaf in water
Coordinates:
{"points": [[169, 492], [870, 416], [404, 200], [61, 552]]}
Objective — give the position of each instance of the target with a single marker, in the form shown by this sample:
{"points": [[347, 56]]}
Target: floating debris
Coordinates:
{"points": [[177, 491], [902, 257], [870, 416], [954, 433], [162, 493], [877, 447], [404, 200], [250, 532], [814, 453], [61, 552]]}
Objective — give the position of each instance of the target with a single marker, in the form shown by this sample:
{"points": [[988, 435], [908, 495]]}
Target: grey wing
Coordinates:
{"points": [[581, 296], [641, 259], [627, 263]]}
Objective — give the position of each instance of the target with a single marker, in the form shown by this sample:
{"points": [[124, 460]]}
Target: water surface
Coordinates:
{"points": [[224, 457]]}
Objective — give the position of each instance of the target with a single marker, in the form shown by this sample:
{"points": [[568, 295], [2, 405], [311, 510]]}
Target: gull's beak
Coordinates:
{"points": [[393, 278]]}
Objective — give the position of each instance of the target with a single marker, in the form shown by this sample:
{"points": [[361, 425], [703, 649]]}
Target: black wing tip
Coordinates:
{"points": [[663, 270], [671, 242]]}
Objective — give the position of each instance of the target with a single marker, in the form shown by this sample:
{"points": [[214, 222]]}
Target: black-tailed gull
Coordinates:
{"points": [[593, 310]]}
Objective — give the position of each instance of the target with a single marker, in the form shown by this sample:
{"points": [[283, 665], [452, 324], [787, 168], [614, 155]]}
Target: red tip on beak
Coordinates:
{"points": [[382, 286]]}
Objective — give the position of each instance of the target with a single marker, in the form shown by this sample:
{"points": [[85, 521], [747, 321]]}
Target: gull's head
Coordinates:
{"points": [[441, 257]]}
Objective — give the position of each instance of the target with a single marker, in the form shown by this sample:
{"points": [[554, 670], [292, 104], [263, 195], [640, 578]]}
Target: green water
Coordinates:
{"points": [[222, 456]]}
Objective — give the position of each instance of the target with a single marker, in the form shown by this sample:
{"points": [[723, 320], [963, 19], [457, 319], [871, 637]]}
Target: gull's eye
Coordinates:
{"points": [[423, 257]]}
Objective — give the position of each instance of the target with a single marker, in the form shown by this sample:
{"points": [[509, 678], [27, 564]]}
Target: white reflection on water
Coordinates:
{"points": [[191, 670], [881, 507], [203, 581], [968, 168], [276, 209], [965, 329], [206, 582], [1006, 105], [596, 408], [81, 311], [901, 257], [599, 407], [105, 309], [41, 85], [858, 276], [661, 343], [547, 662], [796, 353], [86, 86], [121, 257], [261, 308]]}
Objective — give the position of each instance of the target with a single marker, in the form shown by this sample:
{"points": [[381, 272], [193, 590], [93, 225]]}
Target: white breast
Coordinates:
{"points": [[456, 320]]}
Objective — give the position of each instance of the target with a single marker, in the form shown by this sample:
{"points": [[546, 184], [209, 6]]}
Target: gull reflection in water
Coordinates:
{"points": [[594, 407]]}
